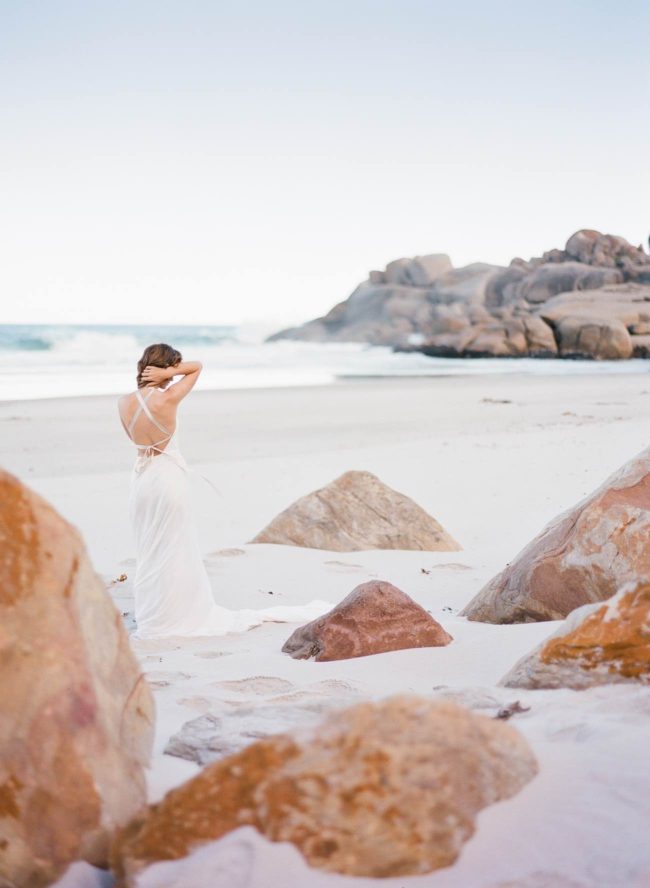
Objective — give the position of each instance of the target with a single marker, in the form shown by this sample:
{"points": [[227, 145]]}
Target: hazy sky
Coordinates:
{"points": [[203, 161]]}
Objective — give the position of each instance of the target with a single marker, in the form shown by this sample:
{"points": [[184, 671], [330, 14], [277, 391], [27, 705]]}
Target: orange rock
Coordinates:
{"points": [[585, 555], [380, 789], [597, 644], [77, 715], [355, 512], [374, 618]]}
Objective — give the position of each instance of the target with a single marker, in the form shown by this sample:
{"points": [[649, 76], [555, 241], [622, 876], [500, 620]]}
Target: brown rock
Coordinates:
{"points": [[627, 303], [465, 286], [551, 278], [512, 337], [356, 512], [77, 715], [605, 250], [597, 644], [606, 340], [374, 618], [421, 271], [381, 789], [582, 556]]}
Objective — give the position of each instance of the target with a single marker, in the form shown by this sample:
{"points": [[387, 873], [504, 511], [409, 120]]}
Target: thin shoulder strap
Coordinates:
{"points": [[135, 416], [148, 413]]}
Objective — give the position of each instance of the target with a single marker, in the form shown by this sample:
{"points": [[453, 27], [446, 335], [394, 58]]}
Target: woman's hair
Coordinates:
{"points": [[159, 355]]}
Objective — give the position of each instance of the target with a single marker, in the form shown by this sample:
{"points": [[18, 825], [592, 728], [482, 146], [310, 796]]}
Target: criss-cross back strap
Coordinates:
{"points": [[143, 408]]}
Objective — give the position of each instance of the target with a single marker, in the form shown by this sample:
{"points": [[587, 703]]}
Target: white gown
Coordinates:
{"points": [[172, 590]]}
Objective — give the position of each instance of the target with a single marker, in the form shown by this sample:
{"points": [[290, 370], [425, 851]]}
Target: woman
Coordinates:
{"points": [[171, 586]]}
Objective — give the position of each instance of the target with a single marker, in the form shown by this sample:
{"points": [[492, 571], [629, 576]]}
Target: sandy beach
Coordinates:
{"points": [[493, 459]]}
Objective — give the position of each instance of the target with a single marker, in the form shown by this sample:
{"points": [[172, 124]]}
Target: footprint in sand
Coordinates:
{"points": [[226, 553], [213, 655], [198, 704], [318, 690], [159, 679], [258, 684], [335, 684]]}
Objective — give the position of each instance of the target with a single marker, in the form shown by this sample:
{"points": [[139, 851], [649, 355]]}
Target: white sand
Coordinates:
{"points": [[493, 474]]}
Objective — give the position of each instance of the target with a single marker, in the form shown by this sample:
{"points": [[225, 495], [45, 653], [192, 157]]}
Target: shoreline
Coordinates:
{"points": [[593, 368]]}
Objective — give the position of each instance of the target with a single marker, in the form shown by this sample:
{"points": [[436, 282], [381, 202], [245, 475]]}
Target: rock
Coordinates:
{"points": [[600, 339], [627, 303], [597, 644], [582, 556], [77, 715], [501, 287], [465, 285], [357, 512], [421, 271], [423, 304], [514, 338], [213, 736], [381, 314], [606, 250], [377, 790], [374, 618], [552, 278]]}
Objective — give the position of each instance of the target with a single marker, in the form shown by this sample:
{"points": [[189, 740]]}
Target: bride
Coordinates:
{"points": [[171, 587]]}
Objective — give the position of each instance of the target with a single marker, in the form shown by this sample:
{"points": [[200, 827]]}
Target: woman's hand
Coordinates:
{"points": [[157, 375]]}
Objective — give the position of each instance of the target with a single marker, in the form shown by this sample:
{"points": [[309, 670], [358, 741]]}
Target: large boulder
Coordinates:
{"points": [[510, 337], [582, 556], [606, 340], [468, 284], [381, 789], [374, 618], [357, 512], [597, 644], [421, 271], [605, 250], [627, 303], [551, 278], [77, 715]]}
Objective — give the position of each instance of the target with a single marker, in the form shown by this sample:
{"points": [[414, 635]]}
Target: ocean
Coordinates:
{"points": [[51, 360]]}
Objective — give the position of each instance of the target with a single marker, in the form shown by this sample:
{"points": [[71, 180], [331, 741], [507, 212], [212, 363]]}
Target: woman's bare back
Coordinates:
{"points": [[148, 417]]}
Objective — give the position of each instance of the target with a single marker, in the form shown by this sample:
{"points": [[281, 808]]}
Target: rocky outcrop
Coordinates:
{"points": [[357, 512], [374, 618], [585, 555], [513, 336], [597, 644], [480, 310], [608, 251], [77, 716], [381, 789], [535, 283]]}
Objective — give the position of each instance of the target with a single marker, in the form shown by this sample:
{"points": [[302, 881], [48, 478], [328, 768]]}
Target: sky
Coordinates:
{"points": [[199, 161]]}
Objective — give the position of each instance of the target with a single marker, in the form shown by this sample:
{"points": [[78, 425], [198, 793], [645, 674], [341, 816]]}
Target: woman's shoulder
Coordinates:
{"points": [[124, 402]]}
